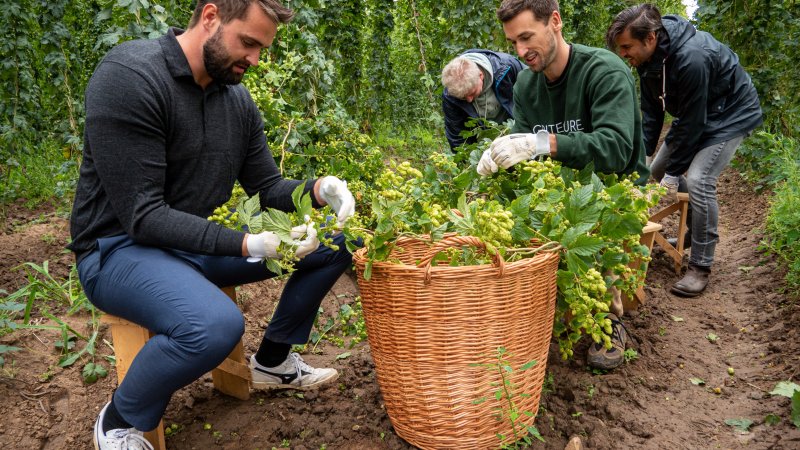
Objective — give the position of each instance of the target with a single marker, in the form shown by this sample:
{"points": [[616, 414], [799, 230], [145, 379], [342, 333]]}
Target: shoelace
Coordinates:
{"points": [[299, 366], [615, 330], [131, 440]]}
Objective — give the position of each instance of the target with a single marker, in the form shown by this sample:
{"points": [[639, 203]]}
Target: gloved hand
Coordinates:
{"points": [[334, 192], [508, 150], [265, 245], [486, 165], [671, 183]]}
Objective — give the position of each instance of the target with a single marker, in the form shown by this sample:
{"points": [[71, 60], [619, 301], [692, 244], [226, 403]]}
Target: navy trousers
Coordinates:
{"points": [[176, 295]]}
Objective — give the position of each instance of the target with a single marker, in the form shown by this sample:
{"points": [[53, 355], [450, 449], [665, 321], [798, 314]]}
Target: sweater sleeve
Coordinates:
{"points": [[454, 119], [125, 128], [611, 99]]}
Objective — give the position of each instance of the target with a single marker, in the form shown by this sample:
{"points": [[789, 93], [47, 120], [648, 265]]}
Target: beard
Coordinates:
{"points": [[543, 60], [216, 60]]}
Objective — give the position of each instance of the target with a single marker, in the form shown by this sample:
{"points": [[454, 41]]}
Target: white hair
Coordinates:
{"points": [[459, 77]]}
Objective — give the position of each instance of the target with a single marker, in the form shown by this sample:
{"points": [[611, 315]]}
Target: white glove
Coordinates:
{"points": [[486, 165], [671, 183], [334, 192], [511, 149], [265, 245]]}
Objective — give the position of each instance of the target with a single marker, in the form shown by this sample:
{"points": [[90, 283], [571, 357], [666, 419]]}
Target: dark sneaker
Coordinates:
{"points": [[600, 357], [118, 439], [293, 373]]}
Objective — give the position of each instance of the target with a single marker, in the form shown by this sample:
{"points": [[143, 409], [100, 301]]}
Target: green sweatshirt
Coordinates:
{"points": [[592, 108]]}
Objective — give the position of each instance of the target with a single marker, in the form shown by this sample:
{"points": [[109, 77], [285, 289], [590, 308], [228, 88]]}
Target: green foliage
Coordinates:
{"points": [[783, 218], [597, 221], [792, 391], [764, 33], [36, 298], [314, 143], [250, 217], [505, 392], [348, 324], [46, 175]]}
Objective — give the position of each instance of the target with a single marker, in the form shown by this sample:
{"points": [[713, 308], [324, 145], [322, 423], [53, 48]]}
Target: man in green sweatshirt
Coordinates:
{"points": [[581, 101], [576, 104]]}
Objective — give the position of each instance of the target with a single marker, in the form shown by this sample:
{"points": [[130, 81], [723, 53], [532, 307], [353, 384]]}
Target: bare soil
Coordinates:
{"points": [[647, 403]]}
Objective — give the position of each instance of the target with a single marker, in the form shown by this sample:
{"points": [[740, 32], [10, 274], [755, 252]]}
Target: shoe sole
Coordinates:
{"points": [[307, 387], [685, 294]]}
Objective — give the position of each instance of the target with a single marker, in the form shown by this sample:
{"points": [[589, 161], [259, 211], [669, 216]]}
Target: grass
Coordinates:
{"points": [[45, 174], [783, 218]]}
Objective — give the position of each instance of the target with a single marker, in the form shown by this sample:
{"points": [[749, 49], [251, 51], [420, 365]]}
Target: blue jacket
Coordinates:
{"points": [[457, 111], [707, 92]]}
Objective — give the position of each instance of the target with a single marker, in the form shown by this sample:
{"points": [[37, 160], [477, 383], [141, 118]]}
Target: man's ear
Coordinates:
{"points": [[555, 19], [209, 17], [650, 39]]}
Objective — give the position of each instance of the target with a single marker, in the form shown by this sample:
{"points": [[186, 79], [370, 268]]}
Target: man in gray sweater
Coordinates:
{"points": [[168, 132]]}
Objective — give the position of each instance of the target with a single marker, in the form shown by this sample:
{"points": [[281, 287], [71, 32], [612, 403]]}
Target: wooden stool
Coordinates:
{"points": [[649, 232], [682, 207], [231, 377]]}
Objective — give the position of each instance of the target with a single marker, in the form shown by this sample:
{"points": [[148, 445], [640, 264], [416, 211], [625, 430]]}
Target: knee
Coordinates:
{"points": [[700, 187], [212, 333]]}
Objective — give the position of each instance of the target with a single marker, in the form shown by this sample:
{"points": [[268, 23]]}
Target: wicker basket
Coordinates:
{"points": [[429, 326]]}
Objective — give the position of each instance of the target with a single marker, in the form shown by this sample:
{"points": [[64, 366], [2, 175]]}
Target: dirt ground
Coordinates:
{"points": [[648, 403]]}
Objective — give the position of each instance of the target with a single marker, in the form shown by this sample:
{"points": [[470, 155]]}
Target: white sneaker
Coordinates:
{"points": [[119, 438], [292, 373]]}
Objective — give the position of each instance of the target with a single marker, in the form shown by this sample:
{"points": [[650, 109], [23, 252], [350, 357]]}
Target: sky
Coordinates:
{"points": [[691, 7]]}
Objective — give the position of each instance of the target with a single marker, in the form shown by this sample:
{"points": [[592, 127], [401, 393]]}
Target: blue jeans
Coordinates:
{"points": [[176, 295], [700, 182]]}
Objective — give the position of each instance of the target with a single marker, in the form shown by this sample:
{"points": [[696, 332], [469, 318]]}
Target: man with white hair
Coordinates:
{"points": [[478, 84]]}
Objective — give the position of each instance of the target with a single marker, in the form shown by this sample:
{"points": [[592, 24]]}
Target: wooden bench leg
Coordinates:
{"points": [[232, 377], [128, 339], [676, 252], [649, 232]]}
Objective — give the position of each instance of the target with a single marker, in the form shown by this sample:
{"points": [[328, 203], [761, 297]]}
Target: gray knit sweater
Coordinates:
{"points": [[160, 153]]}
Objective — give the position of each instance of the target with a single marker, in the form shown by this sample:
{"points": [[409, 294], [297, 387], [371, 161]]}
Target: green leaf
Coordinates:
{"points": [[786, 389], [586, 245], [676, 318], [302, 203], [697, 381], [742, 424], [712, 337], [796, 409], [528, 365], [249, 210], [343, 355], [279, 223], [772, 419]]}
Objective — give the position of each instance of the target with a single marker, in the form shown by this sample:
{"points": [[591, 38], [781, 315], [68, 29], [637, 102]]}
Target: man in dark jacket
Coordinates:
{"points": [[478, 84], [699, 81]]}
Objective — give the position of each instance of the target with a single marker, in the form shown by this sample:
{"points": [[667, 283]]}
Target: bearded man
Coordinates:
{"points": [[169, 129]]}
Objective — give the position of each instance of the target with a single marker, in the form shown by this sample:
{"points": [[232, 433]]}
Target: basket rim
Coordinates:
{"points": [[360, 260]]}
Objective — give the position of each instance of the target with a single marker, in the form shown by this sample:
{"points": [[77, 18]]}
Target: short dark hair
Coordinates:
{"points": [[639, 20], [541, 9], [237, 9]]}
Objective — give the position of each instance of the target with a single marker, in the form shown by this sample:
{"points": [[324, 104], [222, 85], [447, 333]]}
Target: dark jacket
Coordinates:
{"points": [[708, 93], [457, 111]]}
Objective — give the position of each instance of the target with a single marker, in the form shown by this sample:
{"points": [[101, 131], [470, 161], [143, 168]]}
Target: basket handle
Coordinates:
{"points": [[458, 241]]}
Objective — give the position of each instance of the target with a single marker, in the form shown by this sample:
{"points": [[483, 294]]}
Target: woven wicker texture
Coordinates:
{"points": [[427, 326]]}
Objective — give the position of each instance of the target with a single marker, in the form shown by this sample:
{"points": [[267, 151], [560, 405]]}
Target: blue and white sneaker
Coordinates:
{"points": [[119, 438], [293, 373]]}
